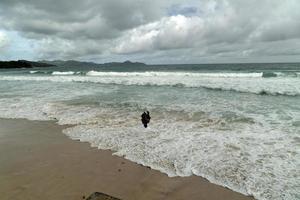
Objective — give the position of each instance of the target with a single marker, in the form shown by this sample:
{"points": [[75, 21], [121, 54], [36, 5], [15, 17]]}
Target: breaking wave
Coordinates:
{"points": [[236, 82], [196, 74], [177, 74], [63, 73], [280, 74], [93, 73], [39, 72]]}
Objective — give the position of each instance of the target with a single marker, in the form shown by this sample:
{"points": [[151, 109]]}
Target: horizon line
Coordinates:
{"points": [[217, 63]]}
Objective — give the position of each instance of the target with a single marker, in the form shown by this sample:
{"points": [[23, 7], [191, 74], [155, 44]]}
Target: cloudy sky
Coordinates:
{"points": [[152, 31]]}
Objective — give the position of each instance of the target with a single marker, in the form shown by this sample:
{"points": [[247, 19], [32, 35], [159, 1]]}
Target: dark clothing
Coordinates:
{"points": [[145, 118]]}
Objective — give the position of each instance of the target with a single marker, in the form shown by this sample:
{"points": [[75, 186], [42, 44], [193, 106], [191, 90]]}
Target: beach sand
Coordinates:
{"points": [[37, 161]]}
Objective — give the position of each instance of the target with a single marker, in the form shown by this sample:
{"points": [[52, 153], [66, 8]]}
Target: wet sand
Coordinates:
{"points": [[37, 161]]}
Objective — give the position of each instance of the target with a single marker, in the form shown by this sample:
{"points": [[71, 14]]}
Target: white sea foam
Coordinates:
{"points": [[253, 158], [27, 108], [238, 83], [177, 74], [32, 72], [63, 73], [250, 146]]}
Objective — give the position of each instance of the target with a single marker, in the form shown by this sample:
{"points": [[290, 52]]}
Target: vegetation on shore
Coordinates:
{"points": [[60, 63]]}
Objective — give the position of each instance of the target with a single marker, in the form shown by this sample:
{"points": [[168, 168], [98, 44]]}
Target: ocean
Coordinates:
{"points": [[237, 125]]}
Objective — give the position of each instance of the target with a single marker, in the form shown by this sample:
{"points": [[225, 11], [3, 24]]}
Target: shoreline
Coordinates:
{"points": [[38, 161]]}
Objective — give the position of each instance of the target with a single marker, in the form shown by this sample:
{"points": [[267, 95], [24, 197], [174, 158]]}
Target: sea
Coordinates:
{"points": [[237, 125]]}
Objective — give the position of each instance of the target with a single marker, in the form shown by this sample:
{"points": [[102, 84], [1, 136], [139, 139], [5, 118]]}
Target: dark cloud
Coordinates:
{"points": [[76, 19], [181, 29]]}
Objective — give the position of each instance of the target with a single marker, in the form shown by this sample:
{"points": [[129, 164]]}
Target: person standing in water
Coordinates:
{"points": [[145, 118]]}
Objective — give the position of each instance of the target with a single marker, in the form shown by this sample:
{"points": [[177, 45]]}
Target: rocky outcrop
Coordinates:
{"points": [[101, 196]]}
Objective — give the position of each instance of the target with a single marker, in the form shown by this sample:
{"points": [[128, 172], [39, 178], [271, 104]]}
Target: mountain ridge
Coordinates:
{"points": [[62, 63], [75, 63]]}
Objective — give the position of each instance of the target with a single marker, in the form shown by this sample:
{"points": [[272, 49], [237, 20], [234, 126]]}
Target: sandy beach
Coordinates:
{"points": [[39, 162]]}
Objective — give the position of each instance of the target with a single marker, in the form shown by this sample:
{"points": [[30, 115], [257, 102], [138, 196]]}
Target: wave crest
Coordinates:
{"points": [[63, 73], [177, 74], [237, 83]]}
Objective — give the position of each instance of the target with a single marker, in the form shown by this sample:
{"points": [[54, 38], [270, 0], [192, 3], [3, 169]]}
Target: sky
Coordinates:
{"points": [[152, 31]]}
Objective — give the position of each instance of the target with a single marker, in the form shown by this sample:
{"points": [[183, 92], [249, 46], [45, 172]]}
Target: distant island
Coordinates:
{"points": [[61, 63]]}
